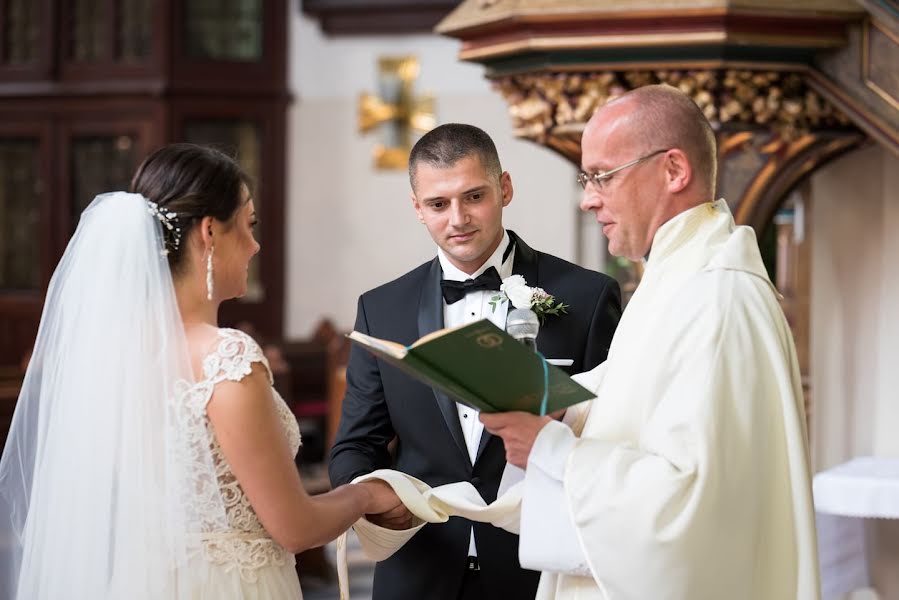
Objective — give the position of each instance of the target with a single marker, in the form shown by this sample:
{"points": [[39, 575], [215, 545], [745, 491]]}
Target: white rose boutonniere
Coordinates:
{"points": [[515, 290]]}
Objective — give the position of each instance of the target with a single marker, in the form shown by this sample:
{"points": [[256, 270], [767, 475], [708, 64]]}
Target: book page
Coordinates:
{"points": [[387, 347], [436, 334]]}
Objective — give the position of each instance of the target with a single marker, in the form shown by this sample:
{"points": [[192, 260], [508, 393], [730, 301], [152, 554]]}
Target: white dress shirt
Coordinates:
{"points": [[474, 307]]}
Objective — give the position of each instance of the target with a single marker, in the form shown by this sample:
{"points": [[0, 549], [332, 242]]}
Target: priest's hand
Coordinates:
{"points": [[518, 431], [385, 508]]}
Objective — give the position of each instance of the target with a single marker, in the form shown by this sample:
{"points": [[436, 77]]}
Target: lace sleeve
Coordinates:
{"points": [[233, 358]]}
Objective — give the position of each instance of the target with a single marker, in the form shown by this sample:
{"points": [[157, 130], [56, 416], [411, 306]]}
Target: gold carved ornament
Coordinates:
{"points": [[541, 103]]}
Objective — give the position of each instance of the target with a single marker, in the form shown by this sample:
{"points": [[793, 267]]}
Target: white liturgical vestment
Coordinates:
{"points": [[687, 478]]}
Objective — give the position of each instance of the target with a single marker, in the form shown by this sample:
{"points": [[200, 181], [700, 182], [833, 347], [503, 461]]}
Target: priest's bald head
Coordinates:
{"points": [[647, 156]]}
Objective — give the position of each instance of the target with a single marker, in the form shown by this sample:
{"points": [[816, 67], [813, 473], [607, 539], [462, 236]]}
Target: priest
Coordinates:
{"points": [[687, 478]]}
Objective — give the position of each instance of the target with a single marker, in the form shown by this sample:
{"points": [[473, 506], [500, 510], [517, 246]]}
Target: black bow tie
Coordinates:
{"points": [[453, 291]]}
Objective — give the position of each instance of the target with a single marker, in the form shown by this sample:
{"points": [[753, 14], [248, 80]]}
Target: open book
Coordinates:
{"points": [[482, 366]]}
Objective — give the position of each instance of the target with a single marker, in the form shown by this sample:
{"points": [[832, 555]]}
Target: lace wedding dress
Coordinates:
{"points": [[112, 484], [240, 560]]}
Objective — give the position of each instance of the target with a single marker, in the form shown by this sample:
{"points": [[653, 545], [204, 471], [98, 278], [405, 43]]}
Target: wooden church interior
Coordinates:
{"points": [[804, 96]]}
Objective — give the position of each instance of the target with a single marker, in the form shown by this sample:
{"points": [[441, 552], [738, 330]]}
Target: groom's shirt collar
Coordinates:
{"points": [[504, 268]]}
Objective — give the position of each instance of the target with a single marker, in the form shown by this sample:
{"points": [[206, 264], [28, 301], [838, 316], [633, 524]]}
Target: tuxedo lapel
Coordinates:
{"points": [[525, 261], [525, 264], [430, 319]]}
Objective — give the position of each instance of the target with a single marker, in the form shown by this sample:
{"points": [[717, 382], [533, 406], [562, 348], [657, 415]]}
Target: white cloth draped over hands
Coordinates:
{"points": [[429, 505]]}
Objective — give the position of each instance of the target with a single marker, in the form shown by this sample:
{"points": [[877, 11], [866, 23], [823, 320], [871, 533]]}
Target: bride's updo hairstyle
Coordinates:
{"points": [[188, 182]]}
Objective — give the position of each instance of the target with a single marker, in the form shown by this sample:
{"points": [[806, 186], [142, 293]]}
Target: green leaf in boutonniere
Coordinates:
{"points": [[497, 299]]}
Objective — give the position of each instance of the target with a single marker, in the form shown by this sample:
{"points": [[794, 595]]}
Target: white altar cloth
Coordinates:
{"points": [[846, 495]]}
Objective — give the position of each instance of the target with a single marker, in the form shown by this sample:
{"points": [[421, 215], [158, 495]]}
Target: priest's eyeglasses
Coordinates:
{"points": [[598, 179]]}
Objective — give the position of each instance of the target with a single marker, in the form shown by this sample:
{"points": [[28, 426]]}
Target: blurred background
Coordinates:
{"points": [[321, 100]]}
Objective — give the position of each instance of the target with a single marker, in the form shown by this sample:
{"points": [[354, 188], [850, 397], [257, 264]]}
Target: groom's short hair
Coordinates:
{"points": [[444, 146]]}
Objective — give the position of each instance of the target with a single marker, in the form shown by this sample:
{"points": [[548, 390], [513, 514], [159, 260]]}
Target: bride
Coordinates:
{"points": [[149, 456]]}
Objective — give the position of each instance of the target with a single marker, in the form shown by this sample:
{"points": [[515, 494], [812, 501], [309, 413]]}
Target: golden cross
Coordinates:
{"points": [[396, 111]]}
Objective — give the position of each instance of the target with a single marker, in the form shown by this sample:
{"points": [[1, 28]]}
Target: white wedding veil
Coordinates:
{"points": [[106, 481]]}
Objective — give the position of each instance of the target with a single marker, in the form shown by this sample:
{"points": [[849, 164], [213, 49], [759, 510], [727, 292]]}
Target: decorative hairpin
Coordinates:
{"points": [[167, 219]]}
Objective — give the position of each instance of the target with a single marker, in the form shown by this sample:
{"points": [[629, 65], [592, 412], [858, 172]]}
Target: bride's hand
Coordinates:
{"points": [[384, 507]]}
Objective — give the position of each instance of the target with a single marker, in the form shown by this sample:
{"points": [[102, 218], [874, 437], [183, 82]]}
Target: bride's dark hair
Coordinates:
{"points": [[193, 182]]}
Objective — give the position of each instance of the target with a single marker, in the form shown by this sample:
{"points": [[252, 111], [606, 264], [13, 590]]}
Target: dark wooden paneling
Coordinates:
{"points": [[268, 76], [20, 310], [43, 67], [20, 315], [109, 68], [269, 115], [59, 99]]}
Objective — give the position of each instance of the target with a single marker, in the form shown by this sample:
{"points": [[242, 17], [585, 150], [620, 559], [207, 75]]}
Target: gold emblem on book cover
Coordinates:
{"points": [[489, 340]]}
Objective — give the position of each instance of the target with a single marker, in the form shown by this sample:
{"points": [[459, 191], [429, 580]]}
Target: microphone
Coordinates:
{"points": [[523, 325]]}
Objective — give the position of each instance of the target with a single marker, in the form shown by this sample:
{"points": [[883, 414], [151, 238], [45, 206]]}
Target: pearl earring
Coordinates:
{"points": [[209, 281]]}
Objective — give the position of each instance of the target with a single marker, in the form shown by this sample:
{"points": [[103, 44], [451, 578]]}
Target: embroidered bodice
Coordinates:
{"points": [[239, 540]]}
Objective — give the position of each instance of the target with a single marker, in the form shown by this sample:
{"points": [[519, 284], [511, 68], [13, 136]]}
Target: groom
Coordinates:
{"points": [[459, 191]]}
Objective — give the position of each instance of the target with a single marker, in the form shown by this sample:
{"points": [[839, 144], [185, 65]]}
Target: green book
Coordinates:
{"points": [[482, 366]]}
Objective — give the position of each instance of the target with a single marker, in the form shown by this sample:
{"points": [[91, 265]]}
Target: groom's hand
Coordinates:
{"points": [[398, 517], [518, 430], [385, 508]]}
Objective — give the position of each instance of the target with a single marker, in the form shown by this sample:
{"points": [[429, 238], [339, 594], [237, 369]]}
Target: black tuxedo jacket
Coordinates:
{"points": [[382, 403]]}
